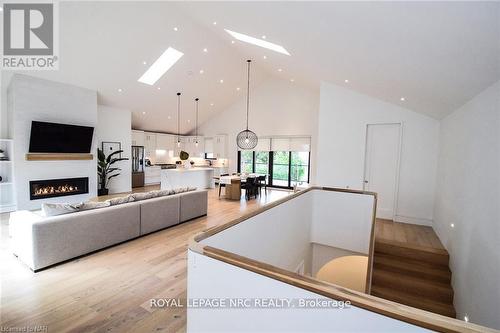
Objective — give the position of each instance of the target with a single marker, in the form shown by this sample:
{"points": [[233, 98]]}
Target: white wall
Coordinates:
{"points": [[43, 100], [277, 107], [468, 196], [114, 125], [342, 120], [342, 220], [279, 236]]}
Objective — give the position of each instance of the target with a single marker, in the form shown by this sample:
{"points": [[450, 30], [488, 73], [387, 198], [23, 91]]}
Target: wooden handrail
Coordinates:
{"points": [[365, 301]]}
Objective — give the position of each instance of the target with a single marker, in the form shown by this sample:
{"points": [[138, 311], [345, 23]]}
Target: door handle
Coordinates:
{"points": [[366, 182]]}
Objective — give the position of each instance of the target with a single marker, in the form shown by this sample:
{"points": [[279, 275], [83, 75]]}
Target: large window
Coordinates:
{"points": [[299, 167], [283, 168], [246, 161], [262, 162]]}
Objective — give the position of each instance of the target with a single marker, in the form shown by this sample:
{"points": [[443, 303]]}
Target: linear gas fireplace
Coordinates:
{"points": [[48, 188]]}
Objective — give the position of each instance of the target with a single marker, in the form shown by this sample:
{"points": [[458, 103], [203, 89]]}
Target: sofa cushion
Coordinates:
{"points": [[54, 209], [193, 204], [59, 238], [159, 213]]}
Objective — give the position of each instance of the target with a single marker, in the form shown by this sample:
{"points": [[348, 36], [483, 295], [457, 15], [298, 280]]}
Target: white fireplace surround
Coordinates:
{"points": [[31, 99]]}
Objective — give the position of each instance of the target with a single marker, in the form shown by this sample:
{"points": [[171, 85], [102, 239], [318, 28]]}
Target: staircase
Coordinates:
{"points": [[414, 275]]}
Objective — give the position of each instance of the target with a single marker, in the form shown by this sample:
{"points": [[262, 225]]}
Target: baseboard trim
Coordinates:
{"points": [[413, 220]]}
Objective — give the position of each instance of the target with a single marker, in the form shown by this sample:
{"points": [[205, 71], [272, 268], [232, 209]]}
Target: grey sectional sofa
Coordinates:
{"points": [[40, 242]]}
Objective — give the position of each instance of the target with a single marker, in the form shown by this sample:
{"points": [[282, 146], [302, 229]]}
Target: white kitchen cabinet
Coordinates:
{"points": [[191, 148], [152, 175], [209, 145], [150, 145], [137, 138], [220, 146], [165, 142]]}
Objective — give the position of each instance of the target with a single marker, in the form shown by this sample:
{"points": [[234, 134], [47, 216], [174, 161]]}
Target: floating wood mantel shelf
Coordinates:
{"points": [[57, 156]]}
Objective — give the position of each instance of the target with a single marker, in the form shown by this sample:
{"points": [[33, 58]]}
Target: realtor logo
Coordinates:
{"points": [[29, 36]]}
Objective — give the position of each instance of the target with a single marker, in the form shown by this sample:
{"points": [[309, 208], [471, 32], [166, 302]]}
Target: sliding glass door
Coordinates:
{"points": [[283, 168], [299, 168], [280, 175]]}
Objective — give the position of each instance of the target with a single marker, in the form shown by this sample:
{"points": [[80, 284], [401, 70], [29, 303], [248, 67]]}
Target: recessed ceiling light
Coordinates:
{"points": [[280, 70], [292, 80], [346, 81], [205, 50], [452, 225], [161, 66], [144, 63], [202, 71], [189, 121], [264, 37], [258, 42], [238, 89], [221, 81], [212, 104], [264, 57], [143, 112], [120, 90], [215, 23], [159, 88], [176, 29], [169, 117], [232, 42], [402, 99]]}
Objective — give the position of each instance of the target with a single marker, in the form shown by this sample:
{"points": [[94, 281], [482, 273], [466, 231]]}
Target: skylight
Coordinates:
{"points": [[259, 42], [161, 66]]}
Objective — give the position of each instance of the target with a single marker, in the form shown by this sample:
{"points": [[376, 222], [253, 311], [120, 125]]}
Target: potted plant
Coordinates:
{"points": [[105, 170]]}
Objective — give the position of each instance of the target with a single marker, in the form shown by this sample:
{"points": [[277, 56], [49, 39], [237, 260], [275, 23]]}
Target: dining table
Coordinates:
{"points": [[233, 184]]}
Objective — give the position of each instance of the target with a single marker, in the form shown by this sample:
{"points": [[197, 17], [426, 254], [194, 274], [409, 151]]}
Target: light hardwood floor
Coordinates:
{"points": [[110, 291]]}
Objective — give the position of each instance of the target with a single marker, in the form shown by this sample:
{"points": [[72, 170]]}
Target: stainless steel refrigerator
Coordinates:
{"points": [[137, 166]]}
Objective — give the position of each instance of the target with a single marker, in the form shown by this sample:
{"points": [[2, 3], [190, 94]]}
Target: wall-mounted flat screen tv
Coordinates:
{"points": [[60, 138]]}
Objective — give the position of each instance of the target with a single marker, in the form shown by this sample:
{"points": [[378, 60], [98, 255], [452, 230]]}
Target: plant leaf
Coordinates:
{"points": [[114, 160], [108, 159], [100, 155]]}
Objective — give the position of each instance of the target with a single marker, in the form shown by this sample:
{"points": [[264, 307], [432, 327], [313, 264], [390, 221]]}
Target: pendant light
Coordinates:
{"points": [[178, 119], [196, 130], [247, 139]]}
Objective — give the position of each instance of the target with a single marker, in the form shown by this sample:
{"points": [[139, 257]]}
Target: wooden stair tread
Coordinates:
{"points": [[445, 309], [413, 285], [413, 246], [412, 267], [419, 253]]}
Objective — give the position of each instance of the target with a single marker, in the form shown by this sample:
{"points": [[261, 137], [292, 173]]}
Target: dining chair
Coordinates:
{"points": [[220, 183], [262, 183], [250, 187]]}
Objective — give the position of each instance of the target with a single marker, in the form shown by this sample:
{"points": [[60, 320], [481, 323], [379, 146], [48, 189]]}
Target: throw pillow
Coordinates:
{"points": [[119, 200], [92, 205], [163, 193], [54, 209], [141, 196], [180, 190]]}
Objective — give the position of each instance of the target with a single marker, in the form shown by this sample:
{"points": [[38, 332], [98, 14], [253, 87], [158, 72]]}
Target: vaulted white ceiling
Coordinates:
{"points": [[437, 55]]}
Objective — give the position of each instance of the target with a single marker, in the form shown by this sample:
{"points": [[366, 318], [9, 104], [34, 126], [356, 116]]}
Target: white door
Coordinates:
{"points": [[382, 165]]}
